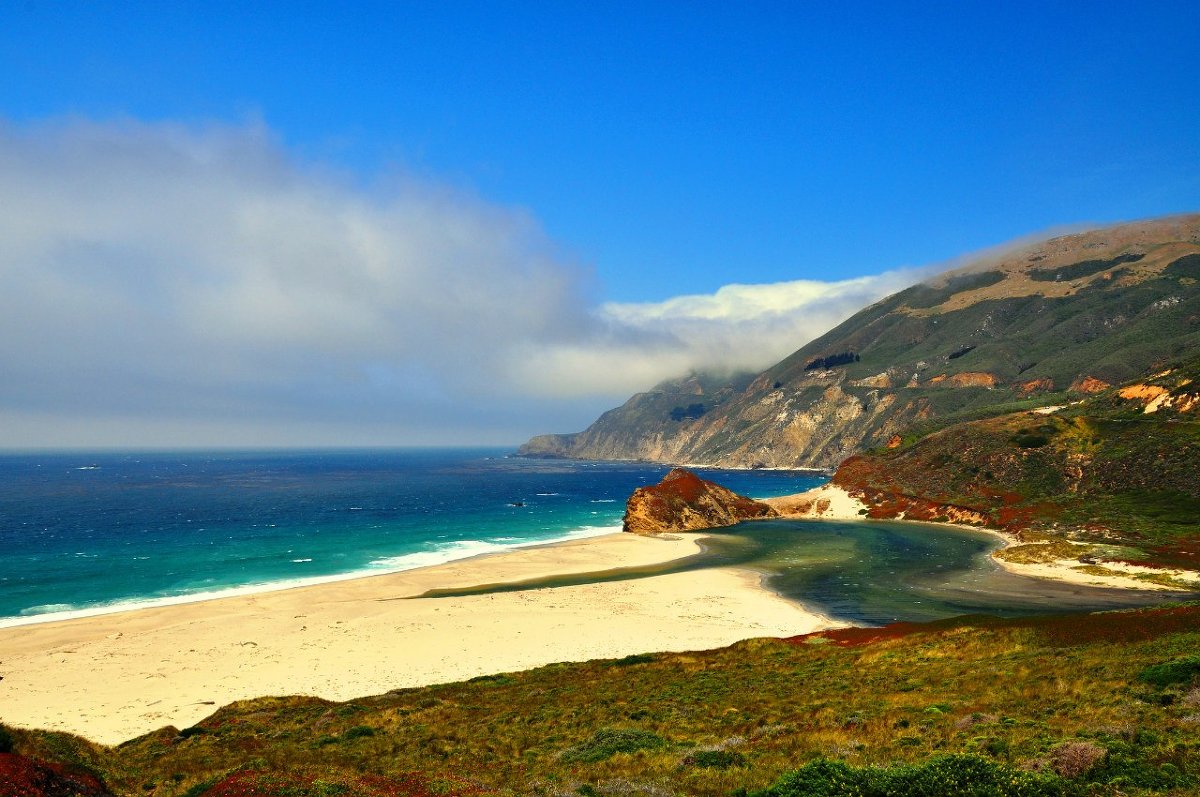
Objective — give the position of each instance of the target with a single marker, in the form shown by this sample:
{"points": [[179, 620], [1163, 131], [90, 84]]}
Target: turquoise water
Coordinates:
{"points": [[87, 532], [871, 572]]}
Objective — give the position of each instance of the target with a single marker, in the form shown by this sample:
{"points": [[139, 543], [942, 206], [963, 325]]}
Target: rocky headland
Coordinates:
{"points": [[683, 501]]}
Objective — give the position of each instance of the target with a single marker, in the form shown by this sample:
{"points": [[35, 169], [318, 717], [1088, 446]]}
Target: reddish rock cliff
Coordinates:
{"points": [[683, 501]]}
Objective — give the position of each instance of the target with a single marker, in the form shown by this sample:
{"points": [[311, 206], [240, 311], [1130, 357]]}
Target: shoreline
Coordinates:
{"points": [[245, 590], [116, 676], [830, 502], [113, 675]]}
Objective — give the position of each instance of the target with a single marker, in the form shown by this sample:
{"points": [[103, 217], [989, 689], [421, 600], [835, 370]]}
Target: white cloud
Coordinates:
{"points": [[747, 327], [201, 278]]}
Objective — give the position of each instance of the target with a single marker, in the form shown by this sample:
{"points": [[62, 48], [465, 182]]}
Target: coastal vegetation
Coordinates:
{"points": [[832, 361], [1100, 704], [1108, 480]]}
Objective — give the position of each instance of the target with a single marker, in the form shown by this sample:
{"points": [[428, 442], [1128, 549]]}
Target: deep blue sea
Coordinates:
{"points": [[82, 533]]}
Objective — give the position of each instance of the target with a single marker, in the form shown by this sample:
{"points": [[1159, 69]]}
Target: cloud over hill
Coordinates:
{"points": [[161, 276]]}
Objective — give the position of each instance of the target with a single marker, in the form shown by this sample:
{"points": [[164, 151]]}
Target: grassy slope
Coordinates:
{"points": [[1010, 692], [1102, 471]]}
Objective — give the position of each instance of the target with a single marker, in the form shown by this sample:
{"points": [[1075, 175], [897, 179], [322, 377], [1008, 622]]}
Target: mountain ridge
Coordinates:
{"points": [[1063, 317]]}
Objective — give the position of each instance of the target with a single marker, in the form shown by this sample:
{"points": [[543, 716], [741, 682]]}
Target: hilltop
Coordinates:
{"points": [[1047, 322]]}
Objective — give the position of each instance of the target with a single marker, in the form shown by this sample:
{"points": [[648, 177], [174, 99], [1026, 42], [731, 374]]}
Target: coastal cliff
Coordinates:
{"points": [[1045, 323], [683, 501]]}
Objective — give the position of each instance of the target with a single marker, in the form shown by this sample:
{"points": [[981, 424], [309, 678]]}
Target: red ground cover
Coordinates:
{"points": [[26, 777]]}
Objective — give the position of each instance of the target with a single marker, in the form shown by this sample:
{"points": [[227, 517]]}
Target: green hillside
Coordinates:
{"points": [[1049, 321], [1103, 704], [1119, 471]]}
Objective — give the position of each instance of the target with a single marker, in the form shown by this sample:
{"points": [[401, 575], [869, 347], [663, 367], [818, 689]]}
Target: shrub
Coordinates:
{"points": [[715, 759], [964, 775], [6, 740], [635, 658], [493, 680], [832, 360], [1085, 268], [973, 719], [690, 411], [961, 775], [1030, 439], [1169, 673], [1186, 266], [1074, 759], [358, 732], [820, 778], [201, 788], [607, 742], [1131, 770], [187, 733]]}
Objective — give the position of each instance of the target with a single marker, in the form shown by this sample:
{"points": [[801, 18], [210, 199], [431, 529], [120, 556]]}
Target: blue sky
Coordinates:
{"points": [[645, 151]]}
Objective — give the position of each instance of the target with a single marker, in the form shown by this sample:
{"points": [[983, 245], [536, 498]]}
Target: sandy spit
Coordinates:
{"points": [[113, 677]]}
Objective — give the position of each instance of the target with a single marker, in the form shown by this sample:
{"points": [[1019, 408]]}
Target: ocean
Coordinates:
{"points": [[85, 532]]}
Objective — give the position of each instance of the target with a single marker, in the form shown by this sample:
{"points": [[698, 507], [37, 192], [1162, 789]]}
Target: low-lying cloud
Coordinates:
{"points": [[739, 327], [162, 284]]}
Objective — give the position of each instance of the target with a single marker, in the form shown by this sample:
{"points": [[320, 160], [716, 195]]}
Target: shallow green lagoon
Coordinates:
{"points": [[871, 572]]}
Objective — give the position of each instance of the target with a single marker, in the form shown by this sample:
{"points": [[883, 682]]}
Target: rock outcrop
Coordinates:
{"points": [[683, 501]]}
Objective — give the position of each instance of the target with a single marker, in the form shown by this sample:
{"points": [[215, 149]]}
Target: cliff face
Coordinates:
{"points": [[1047, 323], [683, 501], [655, 425]]}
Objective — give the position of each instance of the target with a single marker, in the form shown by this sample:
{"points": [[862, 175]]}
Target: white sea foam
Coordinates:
{"points": [[445, 552], [47, 608]]}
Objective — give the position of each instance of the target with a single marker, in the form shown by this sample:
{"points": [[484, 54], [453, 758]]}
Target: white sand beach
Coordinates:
{"points": [[116, 676]]}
